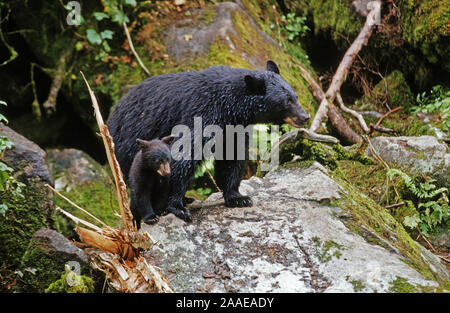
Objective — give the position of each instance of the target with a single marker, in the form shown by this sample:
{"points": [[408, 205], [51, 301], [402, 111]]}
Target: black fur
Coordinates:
{"points": [[149, 190], [221, 96]]}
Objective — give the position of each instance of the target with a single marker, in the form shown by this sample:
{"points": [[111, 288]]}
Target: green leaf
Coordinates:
{"points": [[3, 119], [100, 15], [107, 34], [106, 46], [93, 37], [411, 221], [120, 17], [130, 2], [3, 208], [79, 46]]}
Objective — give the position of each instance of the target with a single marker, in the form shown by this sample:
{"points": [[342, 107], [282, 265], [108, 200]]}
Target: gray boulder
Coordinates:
{"points": [[45, 259], [415, 155], [193, 36], [299, 236], [73, 168]]}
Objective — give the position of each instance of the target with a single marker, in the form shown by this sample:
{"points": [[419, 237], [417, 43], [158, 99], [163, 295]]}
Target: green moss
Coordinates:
{"points": [[96, 197], [357, 285], [323, 250], [393, 90], [22, 219], [365, 212], [326, 154], [208, 15], [39, 269], [401, 285], [426, 27], [70, 282]]}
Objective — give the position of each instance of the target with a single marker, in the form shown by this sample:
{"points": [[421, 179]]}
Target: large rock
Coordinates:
{"points": [[31, 212], [189, 38], [415, 155], [72, 168], [84, 181], [45, 259], [297, 237]]}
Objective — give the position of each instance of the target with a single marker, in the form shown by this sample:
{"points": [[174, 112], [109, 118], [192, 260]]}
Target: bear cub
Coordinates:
{"points": [[149, 180]]}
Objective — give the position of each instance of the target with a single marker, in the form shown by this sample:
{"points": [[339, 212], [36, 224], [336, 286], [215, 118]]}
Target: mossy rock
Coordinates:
{"points": [[85, 182], [325, 154], [393, 90], [97, 197], [70, 282], [231, 37], [31, 211], [45, 259]]}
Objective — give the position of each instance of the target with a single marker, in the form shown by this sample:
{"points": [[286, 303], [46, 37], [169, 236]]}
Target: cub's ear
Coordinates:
{"points": [[168, 139], [255, 85], [272, 67], [141, 143]]}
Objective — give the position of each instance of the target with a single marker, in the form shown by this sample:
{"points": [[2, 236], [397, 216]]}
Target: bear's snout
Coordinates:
{"points": [[164, 169]]}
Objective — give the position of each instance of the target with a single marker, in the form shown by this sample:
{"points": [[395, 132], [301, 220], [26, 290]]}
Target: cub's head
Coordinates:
{"points": [[278, 100], [156, 154]]}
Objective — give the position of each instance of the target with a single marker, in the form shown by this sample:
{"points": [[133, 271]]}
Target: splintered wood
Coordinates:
{"points": [[116, 252]]}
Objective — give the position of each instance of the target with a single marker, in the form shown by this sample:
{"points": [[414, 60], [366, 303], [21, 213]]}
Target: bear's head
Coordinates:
{"points": [[278, 101], [156, 154]]}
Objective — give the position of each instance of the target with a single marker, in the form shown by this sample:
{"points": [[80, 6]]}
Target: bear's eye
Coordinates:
{"points": [[289, 102]]}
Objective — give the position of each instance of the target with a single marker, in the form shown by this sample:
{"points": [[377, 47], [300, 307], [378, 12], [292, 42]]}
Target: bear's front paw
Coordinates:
{"points": [[151, 220], [238, 201], [181, 213]]}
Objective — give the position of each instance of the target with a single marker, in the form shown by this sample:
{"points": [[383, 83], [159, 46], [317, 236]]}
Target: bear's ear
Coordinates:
{"points": [[168, 139], [141, 143], [255, 85], [273, 67]]}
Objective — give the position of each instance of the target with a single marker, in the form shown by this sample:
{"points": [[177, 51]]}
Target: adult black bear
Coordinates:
{"points": [[149, 180], [221, 96]]}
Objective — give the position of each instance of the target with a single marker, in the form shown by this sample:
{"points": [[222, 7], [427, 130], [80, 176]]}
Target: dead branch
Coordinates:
{"points": [[336, 118], [121, 188], [387, 113], [77, 220], [307, 134], [341, 126], [129, 278], [361, 120], [343, 68], [374, 114], [130, 42], [395, 205], [10, 48], [50, 104], [380, 129], [75, 205]]}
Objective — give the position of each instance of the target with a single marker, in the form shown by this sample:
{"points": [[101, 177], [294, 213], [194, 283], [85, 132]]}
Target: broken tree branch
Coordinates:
{"points": [[75, 205], [361, 120], [130, 42], [121, 188], [50, 104], [343, 68], [387, 113], [336, 118]]}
